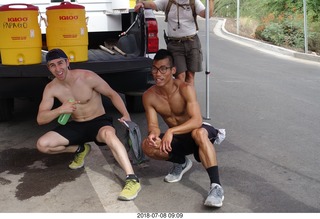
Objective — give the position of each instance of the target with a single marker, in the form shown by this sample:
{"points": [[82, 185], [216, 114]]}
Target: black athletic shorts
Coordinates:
{"points": [[82, 132], [183, 144]]}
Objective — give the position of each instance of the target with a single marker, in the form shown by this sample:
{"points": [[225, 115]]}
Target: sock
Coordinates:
{"points": [[132, 176], [213, 175], [80, 149]]}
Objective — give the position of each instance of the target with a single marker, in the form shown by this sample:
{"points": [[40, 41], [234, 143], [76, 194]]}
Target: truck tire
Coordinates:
{"points": [[134, 103], [6, 109]]}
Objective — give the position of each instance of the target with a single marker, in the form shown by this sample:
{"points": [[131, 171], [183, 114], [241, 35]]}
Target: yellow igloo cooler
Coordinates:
{"points": [[20, 34], [67, 30]]}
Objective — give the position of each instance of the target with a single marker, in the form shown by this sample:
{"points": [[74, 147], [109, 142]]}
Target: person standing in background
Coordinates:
{"points": [[182, 39]]}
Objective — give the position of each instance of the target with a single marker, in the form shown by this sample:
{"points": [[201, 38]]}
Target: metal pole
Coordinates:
{"points": [[207, 61], [238, 16], [305, 26]]}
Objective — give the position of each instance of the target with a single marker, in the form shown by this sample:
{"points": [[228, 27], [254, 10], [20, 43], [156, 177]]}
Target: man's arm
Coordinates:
{"points": [[119, 104], [153, 139], [211, 8], [151, 114], [45, 114], [104, 88], [145, 4]]}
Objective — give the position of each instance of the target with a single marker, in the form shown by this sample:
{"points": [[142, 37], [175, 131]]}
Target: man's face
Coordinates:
{"points": [[162, 71], [58, 67]]}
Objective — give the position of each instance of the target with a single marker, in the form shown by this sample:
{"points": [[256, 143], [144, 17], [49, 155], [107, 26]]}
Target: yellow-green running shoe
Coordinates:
{"points": [[130, 190], [78, 161]]}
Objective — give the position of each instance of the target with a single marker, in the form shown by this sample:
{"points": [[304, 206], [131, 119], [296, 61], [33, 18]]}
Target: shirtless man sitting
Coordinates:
{"points": [[89, 119], [175, 101]]}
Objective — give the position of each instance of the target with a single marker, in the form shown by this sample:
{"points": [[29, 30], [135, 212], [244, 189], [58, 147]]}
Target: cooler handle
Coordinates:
{"points": [[65, 3], [8, 6]]}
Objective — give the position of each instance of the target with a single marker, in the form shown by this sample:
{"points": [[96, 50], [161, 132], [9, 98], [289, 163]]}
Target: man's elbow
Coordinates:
{"points": [[40, 121], [198, 122], [203, 14]]}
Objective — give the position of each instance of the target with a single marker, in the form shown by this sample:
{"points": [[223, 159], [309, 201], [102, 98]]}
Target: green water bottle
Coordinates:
{"points": [[64, 118]]}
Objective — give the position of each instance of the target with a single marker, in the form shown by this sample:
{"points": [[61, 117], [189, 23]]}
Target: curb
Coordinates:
{"points": [[270, 47]]}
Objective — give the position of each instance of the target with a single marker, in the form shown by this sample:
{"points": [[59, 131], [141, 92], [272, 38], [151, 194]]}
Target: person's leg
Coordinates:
{"points": [[208, 158], [194, 58], [107, 134], [181, 163], [178, 51], [181, 76], [207, 152], [190, 77], [154, 152], [54, 143]]}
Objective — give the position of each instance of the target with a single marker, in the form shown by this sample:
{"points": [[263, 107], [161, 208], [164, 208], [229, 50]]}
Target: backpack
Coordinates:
{"points": [[133, 142], [191, 4]]}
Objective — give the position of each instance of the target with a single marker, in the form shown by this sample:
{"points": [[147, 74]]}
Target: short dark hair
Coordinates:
{"points": [[56, 54], [163, 54]]}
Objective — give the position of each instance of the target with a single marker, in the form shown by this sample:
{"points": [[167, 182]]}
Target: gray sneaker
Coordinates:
{"points": [[220, 136], [177, 171], [215, 196]]}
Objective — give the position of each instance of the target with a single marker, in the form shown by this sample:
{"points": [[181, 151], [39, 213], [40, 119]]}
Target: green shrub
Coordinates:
{"points": [[293, 29], [314, 42], [274, 34], [314, 38], [288, 33]]}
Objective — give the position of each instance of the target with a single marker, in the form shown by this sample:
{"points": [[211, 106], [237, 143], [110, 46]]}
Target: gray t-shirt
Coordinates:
{"points": [[187, 26]]}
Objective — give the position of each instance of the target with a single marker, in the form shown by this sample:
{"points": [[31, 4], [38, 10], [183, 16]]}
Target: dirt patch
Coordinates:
{"points": [[246, 28]]}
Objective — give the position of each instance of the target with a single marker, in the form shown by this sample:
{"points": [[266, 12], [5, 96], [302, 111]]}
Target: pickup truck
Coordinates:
{"points": [[127, 71]]}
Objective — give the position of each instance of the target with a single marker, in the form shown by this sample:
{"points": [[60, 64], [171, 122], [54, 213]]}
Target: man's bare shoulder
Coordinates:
{"points": [[53, 89], [82, 72], [53, 84], [150, 90], [86, 76]]}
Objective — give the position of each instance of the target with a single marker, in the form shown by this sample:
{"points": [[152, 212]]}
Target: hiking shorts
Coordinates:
{"points": [[183, 144], [187, 54], [82, 132]]}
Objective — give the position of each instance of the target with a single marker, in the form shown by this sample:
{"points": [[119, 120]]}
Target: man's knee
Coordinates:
{"points": [[153, 152], [42, 145], [145, 148], [200, 135], [107, 135]]}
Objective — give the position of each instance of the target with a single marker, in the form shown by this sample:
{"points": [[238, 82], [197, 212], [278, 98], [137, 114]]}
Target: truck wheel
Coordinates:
{"points": [[6, 108], [134, 103]]}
